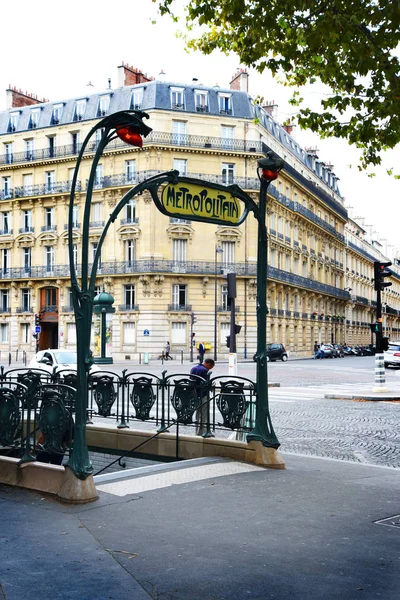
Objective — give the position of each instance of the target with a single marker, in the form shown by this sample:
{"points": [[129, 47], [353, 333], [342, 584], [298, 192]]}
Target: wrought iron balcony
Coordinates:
{"points": [[176, 220], [48, 228], [27, 229], [49, 308], [128, 307], [272, 312], [95, 224], [130, 221], [224, 308], [67, 309], [74, 226], [202, 109], [5, 309], [58, 187], [180, 307], [24, 309], [6, 194], [6, 231], [361, 300], [281, 312]]}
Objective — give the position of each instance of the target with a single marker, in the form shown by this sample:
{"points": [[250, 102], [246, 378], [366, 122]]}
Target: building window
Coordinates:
{"points": [[5, 263], [75, 216], [34, 118], [6, 222], [5, 300], [98, 178], [29, 149], [27, 221], [74, 254], [96, 212], [71, 333], [179, 295], [225, 104], [178, 333], [7, 191], [201, 101], [129, 333], [177, 98], [13, 124], [130, 251], [27, 259], [49, 216], [25, 333], [50, 181], [130, 211], [49, 250], [228, 173], [130, 171], [137, 99], [104, 104], [224, 297], [180, 165], [52, 145], [4, 332], [224, 332], [179, 249], [228, 134], [26, 299], [27, 181], [179, 133], [228, 253], [287, 266], [129, 293], [75, 139], [57, 114], [94, 247], [80, 107], [8, 152]]}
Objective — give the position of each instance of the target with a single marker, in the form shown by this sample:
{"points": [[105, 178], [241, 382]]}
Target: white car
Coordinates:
{"points": [[392, 355], [61, 359]]}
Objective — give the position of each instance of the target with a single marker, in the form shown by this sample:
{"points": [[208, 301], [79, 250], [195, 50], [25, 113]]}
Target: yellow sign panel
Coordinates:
{"points": [[197, 201]]}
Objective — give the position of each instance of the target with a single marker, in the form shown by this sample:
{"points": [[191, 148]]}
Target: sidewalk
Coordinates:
{"points": [[210, 530]]}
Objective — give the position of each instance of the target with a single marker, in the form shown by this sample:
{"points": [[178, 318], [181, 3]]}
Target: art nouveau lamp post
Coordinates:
{"points": [[268, 170]]}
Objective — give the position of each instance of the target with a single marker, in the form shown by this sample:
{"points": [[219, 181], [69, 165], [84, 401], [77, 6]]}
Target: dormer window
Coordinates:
{"points": [[104, 105], [34, 119], [137, 99], [225, 104], [14, 117], [57, 114], [201, 100], [177, 98], [80, 107]]}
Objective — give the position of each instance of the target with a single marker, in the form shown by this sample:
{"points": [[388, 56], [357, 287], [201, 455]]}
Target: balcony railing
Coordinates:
{"points": [[224, 308], [6, 231], [58, 187], [96, 224], [26, 229], [128, 307], [5, 309], [48, 228], [67, 309], [74, 226], [24, 309], [49, 308], [180, 307], [130, 221]]}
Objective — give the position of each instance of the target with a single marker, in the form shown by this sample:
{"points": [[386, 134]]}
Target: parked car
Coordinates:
{"points": [[275, 352], [329, 352], [338, 350], [61, 359], [392, 355]]}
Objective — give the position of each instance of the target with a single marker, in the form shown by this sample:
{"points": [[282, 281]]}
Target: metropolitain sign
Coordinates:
{"points": [[192, 199]]}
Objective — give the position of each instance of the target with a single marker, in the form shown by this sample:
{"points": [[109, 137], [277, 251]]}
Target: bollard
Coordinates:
{"points": [[140, 358], [146, 358], [181, 357], [9, 358], [24, 357], [16, 355]]}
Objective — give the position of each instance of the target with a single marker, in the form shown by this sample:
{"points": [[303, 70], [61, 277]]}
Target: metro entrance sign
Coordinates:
{"points": [[200, 201]]}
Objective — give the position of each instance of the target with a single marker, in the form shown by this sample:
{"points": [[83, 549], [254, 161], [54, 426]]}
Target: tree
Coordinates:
{"points": [[349, 45]]}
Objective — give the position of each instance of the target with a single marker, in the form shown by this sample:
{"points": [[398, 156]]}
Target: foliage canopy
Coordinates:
{"points": [[352, 46]]}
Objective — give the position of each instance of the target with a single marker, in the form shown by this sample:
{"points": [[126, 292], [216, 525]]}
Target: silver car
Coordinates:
{"points": [[392, 355], [60, 359]]}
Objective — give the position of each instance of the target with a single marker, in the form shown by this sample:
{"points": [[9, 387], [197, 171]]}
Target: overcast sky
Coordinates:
{"points": [[54, 49]]}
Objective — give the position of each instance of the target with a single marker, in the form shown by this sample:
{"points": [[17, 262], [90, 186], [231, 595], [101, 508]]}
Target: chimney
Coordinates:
{"points": [[240, 81], [313, 150], [18, 98], [271, 108], [128, 75], [288, 127]]}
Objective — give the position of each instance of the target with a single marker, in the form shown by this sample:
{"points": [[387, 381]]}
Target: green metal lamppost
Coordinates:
{"points": [[268, 170], [103, 306], [129, 127]]}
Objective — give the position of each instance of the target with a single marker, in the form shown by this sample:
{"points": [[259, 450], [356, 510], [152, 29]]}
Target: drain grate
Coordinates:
{"points": [[390, 521]]}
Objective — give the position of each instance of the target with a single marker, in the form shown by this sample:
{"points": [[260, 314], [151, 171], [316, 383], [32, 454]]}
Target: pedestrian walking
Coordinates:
{"points": [[316, 350], [202, 370], [167, 350], [322, 350], [202, 351]]}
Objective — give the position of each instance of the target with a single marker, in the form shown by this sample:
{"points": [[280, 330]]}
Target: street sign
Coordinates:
{"points": [[146, 332], [38, 329]]}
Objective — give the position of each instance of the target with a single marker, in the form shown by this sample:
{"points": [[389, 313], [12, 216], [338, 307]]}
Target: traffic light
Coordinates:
{"points": [[228, 341], [237, 329], [374, 327], [37, 321], [385, 344], [380, 272]]}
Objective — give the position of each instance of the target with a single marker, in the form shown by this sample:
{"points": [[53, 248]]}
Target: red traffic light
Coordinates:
{"points": [[130, 135], [269, 175]]}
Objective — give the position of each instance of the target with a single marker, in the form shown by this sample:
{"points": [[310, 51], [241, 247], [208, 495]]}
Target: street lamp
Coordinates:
{"points": [[267, 171], [218, 250]]}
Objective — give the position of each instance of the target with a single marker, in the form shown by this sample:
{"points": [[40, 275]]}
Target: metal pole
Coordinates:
{"points": [[215, 304], [380, 375], [263, 430]]}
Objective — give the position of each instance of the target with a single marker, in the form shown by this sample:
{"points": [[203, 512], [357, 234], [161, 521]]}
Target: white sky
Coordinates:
{"points": [[55, 48]]}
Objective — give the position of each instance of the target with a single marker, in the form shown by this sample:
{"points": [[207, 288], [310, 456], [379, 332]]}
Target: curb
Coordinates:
{"points": [[393, 397]]}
